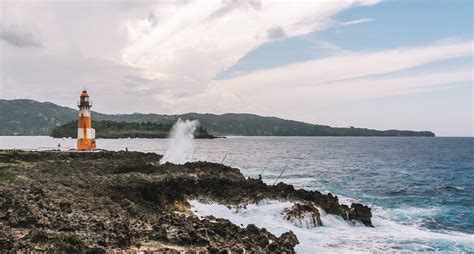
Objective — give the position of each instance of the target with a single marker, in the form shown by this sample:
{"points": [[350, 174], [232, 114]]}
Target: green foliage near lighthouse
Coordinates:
{"points": [[111, 129]]}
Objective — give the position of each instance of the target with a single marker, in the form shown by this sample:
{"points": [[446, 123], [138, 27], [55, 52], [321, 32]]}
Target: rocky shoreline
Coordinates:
{"points": [[126, 201]]}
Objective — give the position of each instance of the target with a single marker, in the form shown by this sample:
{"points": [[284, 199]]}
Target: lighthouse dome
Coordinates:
{"points": [[84, 93]]}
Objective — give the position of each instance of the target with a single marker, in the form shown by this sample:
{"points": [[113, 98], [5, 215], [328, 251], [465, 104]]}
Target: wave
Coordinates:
{"points": [[338, 235], [453, 188]]}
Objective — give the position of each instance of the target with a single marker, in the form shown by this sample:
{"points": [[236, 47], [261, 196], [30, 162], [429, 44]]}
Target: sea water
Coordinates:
{"points": [[420, 189]]}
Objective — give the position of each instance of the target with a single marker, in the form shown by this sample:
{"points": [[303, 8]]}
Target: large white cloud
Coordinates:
{"points": [[186, 44]]}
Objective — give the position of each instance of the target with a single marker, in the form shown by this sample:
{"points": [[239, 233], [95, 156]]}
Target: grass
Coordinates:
{"points": [[9, 176], [13, 152], [22, 178], [6, 175], [68, 243], [21, 164]]}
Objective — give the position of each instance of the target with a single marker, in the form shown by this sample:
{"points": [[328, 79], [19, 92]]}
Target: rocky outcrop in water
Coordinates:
{"points": [[303, 214], [106, 201]]}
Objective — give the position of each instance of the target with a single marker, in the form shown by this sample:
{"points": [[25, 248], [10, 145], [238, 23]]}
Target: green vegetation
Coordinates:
{"points": [[110, 129], [7, 164], [27, 117], [20, 164], [6, 175], [10, 176], [68, 242]]}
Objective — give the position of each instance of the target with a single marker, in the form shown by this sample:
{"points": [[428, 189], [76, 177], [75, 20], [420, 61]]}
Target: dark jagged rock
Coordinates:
{"points": [[362, 213], [115, 201], [306, 214]]}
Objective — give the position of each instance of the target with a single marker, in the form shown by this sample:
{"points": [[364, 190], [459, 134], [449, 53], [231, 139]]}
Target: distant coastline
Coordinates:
{"points": [[28, 118]]}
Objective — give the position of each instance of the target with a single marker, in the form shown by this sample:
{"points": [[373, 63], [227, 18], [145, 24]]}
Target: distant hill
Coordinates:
{"points": [[28, 117]]}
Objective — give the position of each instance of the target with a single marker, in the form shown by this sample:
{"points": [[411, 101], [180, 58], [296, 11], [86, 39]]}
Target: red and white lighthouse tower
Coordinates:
{"points": [[85, 133]]}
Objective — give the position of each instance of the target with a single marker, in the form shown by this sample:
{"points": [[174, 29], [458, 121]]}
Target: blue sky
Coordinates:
{"points": [[365, 63], [393, 24]]}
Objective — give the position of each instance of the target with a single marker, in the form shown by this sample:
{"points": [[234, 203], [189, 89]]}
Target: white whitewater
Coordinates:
{"points": [[181, 143], [337, 235]]}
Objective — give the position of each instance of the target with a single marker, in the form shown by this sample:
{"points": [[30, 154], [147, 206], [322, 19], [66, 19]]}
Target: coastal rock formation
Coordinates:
{"points": [[106, 201], [303, 214], [362, 213]]}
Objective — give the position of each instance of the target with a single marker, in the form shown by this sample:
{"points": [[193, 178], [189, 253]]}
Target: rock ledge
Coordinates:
{"points": [[126, 201]]}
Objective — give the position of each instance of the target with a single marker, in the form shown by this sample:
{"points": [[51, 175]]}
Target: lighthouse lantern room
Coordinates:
{"points": [[85, 133]]}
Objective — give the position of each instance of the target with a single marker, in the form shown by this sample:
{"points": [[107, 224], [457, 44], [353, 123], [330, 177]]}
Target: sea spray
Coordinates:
{"points": [[338, 235], [181, 144]]}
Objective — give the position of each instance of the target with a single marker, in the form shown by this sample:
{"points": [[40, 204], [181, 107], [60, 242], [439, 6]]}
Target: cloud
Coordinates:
{"points": [[19, 37], [186, 45], [384, 86], [355, 22], [76, 52], [230, 5], [350, 65], [346, 77], [59, 78], [327, 45], [275, 33], [60, 26]]}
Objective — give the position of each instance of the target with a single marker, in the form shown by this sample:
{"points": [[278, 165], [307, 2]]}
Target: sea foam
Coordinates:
{"points": [[338, 235]]}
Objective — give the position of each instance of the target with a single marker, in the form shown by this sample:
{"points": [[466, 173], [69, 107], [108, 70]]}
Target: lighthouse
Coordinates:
{"points": [[85, 133]]}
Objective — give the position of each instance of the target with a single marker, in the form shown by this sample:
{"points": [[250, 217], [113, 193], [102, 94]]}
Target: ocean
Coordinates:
{"points": [[421, 190]]}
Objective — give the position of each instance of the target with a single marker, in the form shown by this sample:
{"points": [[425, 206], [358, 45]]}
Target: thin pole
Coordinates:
{"points": [[263, 170], [373, 202], [280, 175], [222, 162]]}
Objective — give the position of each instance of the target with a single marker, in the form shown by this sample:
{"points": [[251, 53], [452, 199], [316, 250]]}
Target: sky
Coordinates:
{"points": [[363, 63]]}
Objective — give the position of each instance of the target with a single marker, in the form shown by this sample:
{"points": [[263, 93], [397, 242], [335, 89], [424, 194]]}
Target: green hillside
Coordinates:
{"points": [[27, 117]]}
